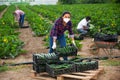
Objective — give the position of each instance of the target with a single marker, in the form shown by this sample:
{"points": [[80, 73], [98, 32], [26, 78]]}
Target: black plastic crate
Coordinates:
{"points": [[39, 60], [86, 65], [83, 64], [38, 57], [61, 70], [44, 58], [106, 37], [39, 68]]}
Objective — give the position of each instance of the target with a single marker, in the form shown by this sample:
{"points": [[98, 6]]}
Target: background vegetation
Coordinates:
{"points": [[87, 1]]}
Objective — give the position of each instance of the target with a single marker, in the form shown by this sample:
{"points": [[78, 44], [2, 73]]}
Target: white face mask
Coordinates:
{"points": [[66, 20]]}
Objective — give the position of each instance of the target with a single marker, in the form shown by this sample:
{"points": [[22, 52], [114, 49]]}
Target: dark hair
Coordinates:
{"points": [[65, 13], [14, 13], [88, 18]]}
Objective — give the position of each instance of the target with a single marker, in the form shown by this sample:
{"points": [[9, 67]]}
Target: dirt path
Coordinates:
{"points": [[110, 73], [85, 47], [1, 14], [35, 44], [32, 44]]}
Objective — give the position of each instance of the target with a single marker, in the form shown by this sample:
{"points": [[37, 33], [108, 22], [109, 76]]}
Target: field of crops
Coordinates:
{"points": [[105, 18]]}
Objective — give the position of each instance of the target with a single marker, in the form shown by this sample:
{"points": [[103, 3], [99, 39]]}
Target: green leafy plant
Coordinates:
{"points": [[3, 68], [112, 62]]}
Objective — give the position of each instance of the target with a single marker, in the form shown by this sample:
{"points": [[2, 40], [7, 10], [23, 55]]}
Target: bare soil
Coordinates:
{"points": [[36, 44]]}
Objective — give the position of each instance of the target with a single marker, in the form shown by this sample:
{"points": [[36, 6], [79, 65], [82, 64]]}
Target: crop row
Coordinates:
{"points": [[105, 17], [2, 7], [10, 44], [51, 16], [39, 25]]}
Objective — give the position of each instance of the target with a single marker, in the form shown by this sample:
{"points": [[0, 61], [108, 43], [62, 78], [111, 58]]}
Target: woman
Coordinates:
{"points": [[57, 32], [19, 16]]}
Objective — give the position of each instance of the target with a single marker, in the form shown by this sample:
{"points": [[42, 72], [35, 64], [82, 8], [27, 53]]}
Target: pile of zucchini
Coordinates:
{"points": [[40, 60], [51, 64], [86, 65], [59, 68], [66, 51], [76, 59]]}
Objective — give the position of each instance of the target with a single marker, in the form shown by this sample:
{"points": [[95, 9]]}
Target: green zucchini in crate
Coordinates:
{"points": [[40, 60], [54, 69], [86, 65], [66, 51], [76, 59]]}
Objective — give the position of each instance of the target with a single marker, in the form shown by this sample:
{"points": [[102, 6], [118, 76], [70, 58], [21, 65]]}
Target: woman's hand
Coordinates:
{"points": [[54, 45], [73, 42]]}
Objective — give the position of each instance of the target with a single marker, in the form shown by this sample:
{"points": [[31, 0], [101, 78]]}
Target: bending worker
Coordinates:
{"points": [[19, 16], [57, 32]]}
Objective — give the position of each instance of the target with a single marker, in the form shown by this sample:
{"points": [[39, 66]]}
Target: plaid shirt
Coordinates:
{"points": [[59, 29]]}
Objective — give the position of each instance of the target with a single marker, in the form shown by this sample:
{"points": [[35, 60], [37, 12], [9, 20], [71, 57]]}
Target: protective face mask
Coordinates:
{"points": [[66, 20]]}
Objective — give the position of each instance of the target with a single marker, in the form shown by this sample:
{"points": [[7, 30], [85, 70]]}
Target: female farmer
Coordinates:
{"points": [[57, 32], [19, 16]]}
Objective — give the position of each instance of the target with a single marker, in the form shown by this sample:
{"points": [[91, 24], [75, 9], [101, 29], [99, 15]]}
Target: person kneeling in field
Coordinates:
{"points": [[83, 26]]}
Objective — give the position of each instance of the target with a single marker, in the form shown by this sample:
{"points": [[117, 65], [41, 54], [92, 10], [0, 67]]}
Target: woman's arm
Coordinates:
{"points": [[71, 34]]}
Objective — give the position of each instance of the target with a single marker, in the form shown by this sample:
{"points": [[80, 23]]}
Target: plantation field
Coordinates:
{"points": [[19, 44], [105, 18]]}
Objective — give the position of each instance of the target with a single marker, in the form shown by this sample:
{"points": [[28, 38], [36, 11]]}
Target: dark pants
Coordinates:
{"points": [[21, 20], [82, 31], [62, 42]]}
